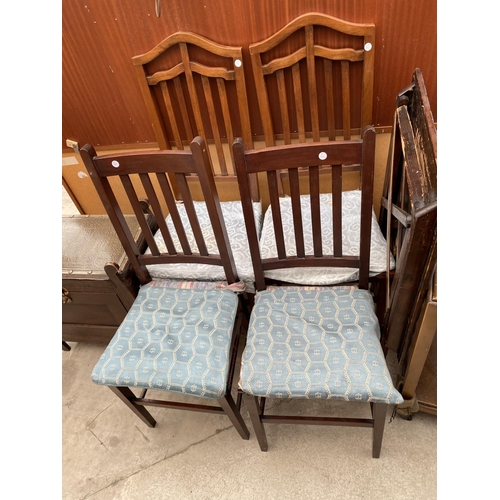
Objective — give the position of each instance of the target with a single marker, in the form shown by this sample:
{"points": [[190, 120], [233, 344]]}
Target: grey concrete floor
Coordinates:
{"points": [[108, 453]]}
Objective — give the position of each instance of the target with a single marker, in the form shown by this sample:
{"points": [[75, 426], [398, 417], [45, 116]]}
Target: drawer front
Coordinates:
{"points": [[92, 308], [102, 285], [95, 334]]}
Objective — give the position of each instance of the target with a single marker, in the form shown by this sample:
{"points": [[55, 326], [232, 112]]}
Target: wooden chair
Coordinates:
{"points": [[408, 217], [178, 337], [314, 82], [408, 212], [337, 96], [313, 342], [193, 86]]}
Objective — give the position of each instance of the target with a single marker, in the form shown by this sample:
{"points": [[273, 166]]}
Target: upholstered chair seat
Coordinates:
{"points": [[176, 337], [316, 342]]}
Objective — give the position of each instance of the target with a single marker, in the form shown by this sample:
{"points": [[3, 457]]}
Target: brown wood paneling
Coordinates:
{"points": [[101, 100]]}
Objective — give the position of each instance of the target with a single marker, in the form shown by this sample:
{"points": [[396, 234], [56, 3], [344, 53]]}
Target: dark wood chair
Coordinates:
{"points": [[192, 86], [314, 341], [408, 218], [408, 212], [314, 80], [178, 337]]}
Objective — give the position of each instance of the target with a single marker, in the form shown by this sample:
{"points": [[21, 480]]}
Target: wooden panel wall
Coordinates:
{"points": [[101, 101]]}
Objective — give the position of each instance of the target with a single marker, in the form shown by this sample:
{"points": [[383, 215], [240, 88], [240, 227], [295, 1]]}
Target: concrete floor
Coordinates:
{"points": [[108, 453]]}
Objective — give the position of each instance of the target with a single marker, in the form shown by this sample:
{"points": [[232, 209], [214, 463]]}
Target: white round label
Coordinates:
{"points": [[322, 156], [115, 163]]}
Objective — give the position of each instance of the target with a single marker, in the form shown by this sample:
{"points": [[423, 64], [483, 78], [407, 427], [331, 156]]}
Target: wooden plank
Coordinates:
{"points": [[274, 196], [213, 122], [183, 108], [330, 101], [367, 174], [157, 211], [134, 201], [191, 213], [346, 100], [169, 198], [283, 100], [315, 211], [297, 211], [226, 114], [193, 96], [171, 115], [311, 77], [337, 210], [299, 103]]}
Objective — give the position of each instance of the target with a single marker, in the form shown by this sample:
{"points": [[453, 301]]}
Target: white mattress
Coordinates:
{"points": [[235, 225], [351, 209]]}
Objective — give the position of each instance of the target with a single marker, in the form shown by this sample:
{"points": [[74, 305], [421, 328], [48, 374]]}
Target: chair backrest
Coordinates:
{"points": [[151, 170], [309, 158], [298, 53], [192, 86]]}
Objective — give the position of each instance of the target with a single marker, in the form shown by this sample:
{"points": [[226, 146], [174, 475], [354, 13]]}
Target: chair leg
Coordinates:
{"points": [[125, 395], [252, 404], [379, 411], [231, 410]]}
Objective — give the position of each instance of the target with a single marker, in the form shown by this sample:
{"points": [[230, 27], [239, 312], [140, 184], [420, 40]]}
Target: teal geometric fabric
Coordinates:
{"points": [[316, 342], [172, 339]]}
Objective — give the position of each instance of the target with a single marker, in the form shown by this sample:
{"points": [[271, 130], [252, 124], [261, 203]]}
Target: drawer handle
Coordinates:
{"points": [[66, 299]]}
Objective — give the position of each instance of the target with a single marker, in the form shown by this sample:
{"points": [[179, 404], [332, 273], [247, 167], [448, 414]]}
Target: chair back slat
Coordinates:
{"points": [[214, 125], [171, 114], [192, 86], [346, 100], [168, 196], [309, 157], [311, 77], [136, 206], [315, 211], [297, 211], [337, 209], [330, 101], [299, 103], [157, 212], [183, 108], [274, 195], [150, 171], [191, 213], [224, 102], [283, 100], [193, 96]]}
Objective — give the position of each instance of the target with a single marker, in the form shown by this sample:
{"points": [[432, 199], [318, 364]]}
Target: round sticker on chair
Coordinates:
{"points": [[322, 155], [115, 163], [368, 46], [237, 63]]}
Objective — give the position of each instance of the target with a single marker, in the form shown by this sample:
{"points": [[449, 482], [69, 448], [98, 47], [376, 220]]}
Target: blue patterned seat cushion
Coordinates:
{"points": [[174, 338], [316, 342]]}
